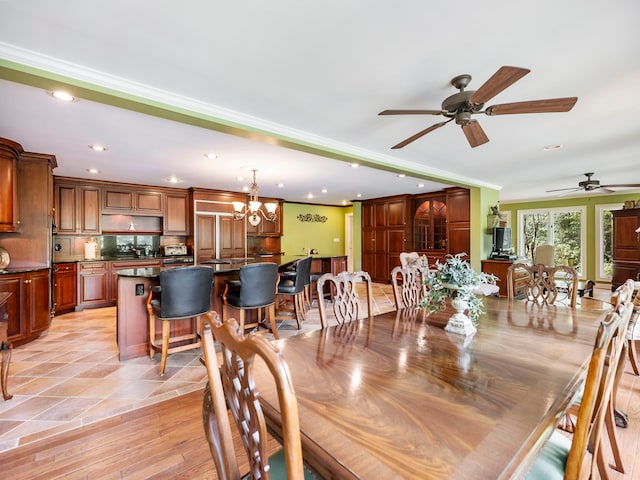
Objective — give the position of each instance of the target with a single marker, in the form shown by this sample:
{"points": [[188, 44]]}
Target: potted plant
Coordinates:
{"points": [[457, 281]]}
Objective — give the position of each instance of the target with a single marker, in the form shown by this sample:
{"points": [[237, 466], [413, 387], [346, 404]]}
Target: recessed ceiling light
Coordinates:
{"points": [[62, 96], [93, 170], [98, 148], [211, 155], [245, 189], [310, 195], [354, 165], [401, 175], [358, 195], [420, 185], [239, 179], [280, 185], [173, 179], [324, 190], [552, 147]]}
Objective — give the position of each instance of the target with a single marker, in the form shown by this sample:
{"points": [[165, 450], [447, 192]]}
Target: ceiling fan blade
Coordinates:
{"points": [[503, 78], [474, 133], [563, 189], [533, 106], [411, 112], [421, 133], [622, 185]]}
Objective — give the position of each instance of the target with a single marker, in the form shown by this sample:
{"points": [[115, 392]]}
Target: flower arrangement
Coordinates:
{"points": [[455, 279]]}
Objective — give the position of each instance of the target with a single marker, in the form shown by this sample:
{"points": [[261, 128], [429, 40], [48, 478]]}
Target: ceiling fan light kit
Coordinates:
{"points": [[462, 105]]}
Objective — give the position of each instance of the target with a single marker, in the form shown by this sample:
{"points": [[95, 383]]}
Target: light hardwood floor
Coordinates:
{"points": [[152, 442]]}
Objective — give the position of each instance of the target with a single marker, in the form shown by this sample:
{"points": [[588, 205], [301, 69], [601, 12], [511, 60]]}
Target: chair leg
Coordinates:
{"points": [[271, 313], [166, 332], [633, 356], [613, 439], [152, 335]]}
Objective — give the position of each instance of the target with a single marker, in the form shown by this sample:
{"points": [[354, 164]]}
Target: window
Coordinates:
{"points": [[564, 227], [604, 241]]}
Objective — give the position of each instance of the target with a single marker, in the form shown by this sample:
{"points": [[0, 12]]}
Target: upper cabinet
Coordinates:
{"points": [[626, 246], [123, 200], [176, 214], [77, 209], [9, 153], [266, 228]]}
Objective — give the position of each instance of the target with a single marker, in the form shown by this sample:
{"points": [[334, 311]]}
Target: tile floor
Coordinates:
{"points": [[72, 376]]}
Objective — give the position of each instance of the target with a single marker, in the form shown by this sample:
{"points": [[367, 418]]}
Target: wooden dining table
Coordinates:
{"points": [[398, 397]]}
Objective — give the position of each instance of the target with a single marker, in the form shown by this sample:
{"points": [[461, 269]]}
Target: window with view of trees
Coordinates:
{"points": [[562, 227], [604, 243]]}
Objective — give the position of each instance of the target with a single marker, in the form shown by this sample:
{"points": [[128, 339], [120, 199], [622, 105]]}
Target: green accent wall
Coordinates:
{"points": [[299, 237], [588, 201]]}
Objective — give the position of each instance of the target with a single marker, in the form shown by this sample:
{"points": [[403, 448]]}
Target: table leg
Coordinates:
{"points": [[4, 369]]}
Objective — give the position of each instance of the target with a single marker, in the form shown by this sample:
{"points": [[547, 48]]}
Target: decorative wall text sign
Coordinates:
{"points": [[312, 217]]}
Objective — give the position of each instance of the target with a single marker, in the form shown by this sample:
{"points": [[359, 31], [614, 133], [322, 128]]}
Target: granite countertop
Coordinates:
{"points": [[22, 270], [80, 258], [153, 272]]}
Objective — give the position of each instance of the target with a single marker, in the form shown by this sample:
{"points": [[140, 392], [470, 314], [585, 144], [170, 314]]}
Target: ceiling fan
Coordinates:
{"points": [[462, 105], [590, 185]]}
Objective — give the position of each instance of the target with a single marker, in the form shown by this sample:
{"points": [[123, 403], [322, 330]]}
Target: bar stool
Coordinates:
{"points": [[184, 293], [295, 288], [255, 290]]}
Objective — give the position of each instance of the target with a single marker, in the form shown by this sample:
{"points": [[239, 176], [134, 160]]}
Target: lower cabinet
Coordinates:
{"points": [[65, 290], [29, 306], [98, 281]]}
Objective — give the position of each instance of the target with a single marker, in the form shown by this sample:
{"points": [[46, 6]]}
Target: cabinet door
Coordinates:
{"points": [[16, 307], [176, 214], [39, 301], [205, 238], [89, 209], [65, 208], [92, 284], [148, 202], [625, 238], [117, 200], [397, 213], [8, 189], [65, 287], [232, 237]]}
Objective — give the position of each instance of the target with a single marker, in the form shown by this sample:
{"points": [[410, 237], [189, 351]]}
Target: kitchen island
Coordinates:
{"points": [[134, 285]]}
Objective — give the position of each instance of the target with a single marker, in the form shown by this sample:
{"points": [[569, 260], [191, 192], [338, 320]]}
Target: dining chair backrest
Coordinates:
{"points": [[595, 400], [232, 384], [542, 284], [408, 288], [344, 296]]}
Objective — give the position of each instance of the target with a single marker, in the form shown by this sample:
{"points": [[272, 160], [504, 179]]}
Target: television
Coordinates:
{"points": [[501, 239]]}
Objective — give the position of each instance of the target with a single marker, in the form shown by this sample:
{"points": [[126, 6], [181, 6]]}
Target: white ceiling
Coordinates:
{"points": [[316, 74]]}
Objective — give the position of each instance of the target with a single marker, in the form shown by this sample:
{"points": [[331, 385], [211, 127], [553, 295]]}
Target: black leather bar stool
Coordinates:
{"points": [[294, 286], [255, 290], [183, 293]]}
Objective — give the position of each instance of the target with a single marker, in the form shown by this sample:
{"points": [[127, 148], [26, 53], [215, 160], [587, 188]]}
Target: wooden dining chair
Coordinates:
{"points": [[408, 288], [232, 384], [541, 284], [563, 457], [344, 296]]}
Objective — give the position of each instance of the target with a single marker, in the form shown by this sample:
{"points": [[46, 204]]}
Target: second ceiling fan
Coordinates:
{"points": [[462, 105]]}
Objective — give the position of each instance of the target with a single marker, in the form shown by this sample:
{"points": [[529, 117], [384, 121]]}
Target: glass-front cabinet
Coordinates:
{"points": [[430, 225]]}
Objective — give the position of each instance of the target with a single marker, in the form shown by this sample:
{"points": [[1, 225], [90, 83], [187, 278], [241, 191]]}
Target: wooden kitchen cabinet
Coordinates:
{"points": [[9, 153], [176, 214], [123, 200], [65, 290], [232, 238], [29, 306], [92, 284], [205, 238], [385, 228], [626, 246], [266, 228], [77, 209], [116, 265]]}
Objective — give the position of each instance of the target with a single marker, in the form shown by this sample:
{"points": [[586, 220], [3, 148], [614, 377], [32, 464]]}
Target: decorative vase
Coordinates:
{"points": [[459, 322]]}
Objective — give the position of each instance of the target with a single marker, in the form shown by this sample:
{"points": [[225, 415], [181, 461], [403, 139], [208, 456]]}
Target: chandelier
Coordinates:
{"points": [[254, 212]]}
